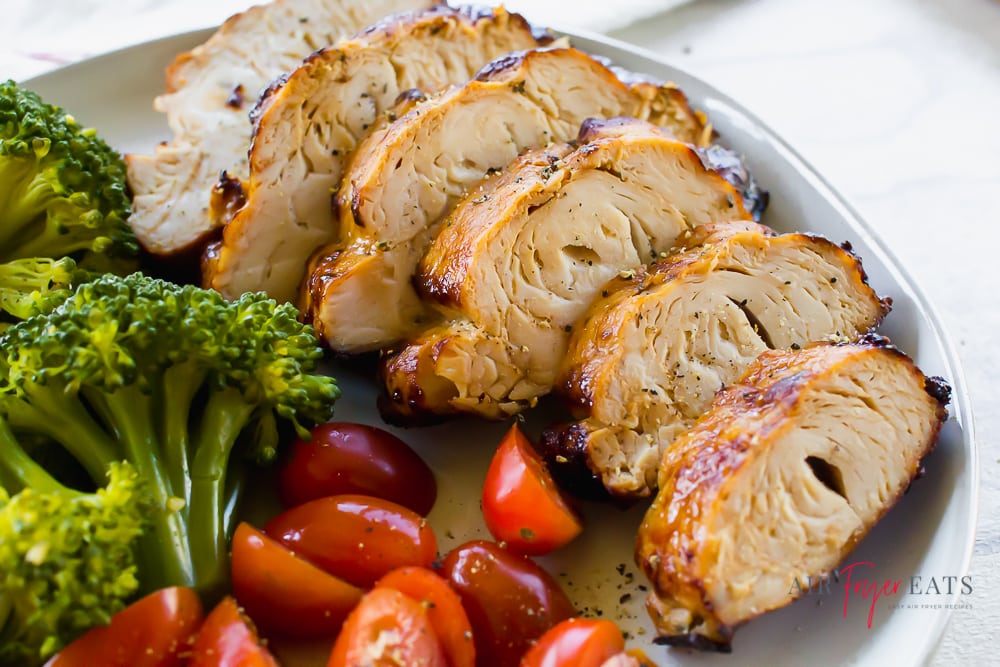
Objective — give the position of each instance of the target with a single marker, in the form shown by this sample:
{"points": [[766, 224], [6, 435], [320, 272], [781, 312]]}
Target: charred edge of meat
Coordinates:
{"points": [[267, 95], [227, 197], [403, 408], [564, 449], [389, 24], [694, 641], [410, 96], [591, 128], [732, 167], [939, 389], [500, 66], [322, 268]]}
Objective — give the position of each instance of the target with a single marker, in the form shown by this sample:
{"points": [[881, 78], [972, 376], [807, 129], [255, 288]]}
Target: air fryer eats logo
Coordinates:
{"points": [[855, 582]]}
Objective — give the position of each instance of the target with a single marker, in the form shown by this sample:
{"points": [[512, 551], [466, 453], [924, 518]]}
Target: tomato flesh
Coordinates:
{"points": [[285, 595], [576, 642], [344, 458], [522, 505], [387, 629], [444, 610], [510, 600], [355, 538], [228, 639]]}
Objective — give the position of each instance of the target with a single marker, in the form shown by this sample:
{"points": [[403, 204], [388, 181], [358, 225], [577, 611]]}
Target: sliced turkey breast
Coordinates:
{"points": [[650, 354], [309, 124], [408, 177], [779, 480], [517, 263], [209, 92]]}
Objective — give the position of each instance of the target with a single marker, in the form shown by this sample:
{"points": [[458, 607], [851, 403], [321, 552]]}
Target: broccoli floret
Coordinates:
{"points": [[35, 285], [62, 189], [67, 558], [184, 385]]}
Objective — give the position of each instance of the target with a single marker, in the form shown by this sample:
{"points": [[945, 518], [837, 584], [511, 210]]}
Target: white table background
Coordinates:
{"points": [[895, 102]]}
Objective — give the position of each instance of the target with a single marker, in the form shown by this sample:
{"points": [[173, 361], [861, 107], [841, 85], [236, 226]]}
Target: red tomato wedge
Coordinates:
{"points": [[510, 600], [285, 595], [388, 629], [576, 642], [444, 610], [228, 639], [343, 458], [522, 505], [154, 631], [355, 538]]}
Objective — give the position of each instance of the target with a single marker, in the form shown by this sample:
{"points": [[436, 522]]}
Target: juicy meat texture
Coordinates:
{"points": [[518, 262], [308, 124], [209, 93], [407, 177], [779, 480], [649, 356]]}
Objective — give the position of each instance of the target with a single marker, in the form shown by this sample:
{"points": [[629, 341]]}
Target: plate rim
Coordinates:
{"points": [[929, 313]]}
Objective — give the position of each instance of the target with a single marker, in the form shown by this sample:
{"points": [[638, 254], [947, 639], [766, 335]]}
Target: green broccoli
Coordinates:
{"points": [[62, 189], [180, 383], [33, 285], [67, 559]]}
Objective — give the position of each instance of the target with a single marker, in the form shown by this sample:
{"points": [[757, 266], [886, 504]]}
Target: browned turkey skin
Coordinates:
{"points": [[407, 177], [783, 475], [650, 354], [308, 124]]}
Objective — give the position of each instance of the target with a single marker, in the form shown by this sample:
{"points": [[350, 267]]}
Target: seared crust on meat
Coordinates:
{"points": [[779, 480], [210, 89], [648, 357], [407, 177], [307, 125], [518, 262]]}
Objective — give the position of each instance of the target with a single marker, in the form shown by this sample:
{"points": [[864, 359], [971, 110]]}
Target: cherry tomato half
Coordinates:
{"points": [[444, 610], [522, 505], [355, 538], [343, 458], [387, 629], [511, 601], [285, 595], [229, 639], [576, 642], [154, 631]]}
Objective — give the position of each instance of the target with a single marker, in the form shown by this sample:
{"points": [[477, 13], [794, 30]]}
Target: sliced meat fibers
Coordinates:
{"points": [[779, 480], [407, 177], [650, 354], [518, 262], [308, 124], [209, 93]]}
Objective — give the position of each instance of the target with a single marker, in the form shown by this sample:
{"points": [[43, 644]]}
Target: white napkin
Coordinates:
{"points": [[36, 36]]}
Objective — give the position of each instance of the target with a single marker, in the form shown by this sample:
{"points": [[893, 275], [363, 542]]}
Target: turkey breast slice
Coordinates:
{"points": [[409, 176], [209, 92], [779, 480], [650, 354], [517, 264], [308, 125]]}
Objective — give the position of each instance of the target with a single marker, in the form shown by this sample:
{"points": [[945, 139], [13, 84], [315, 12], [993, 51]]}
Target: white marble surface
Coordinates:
{"points": [[895, 101]]}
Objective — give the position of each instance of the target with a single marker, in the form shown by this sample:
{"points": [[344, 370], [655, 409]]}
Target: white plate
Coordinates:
{"points": [[930, 533]]}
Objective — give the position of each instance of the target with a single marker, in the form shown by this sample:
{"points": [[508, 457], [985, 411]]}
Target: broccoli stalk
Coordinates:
{"points": [[66, 556], [62, 188], [184, 386]]}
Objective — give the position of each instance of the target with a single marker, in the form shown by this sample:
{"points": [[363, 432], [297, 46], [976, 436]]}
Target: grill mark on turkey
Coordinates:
{"points": [[758, 327]]}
